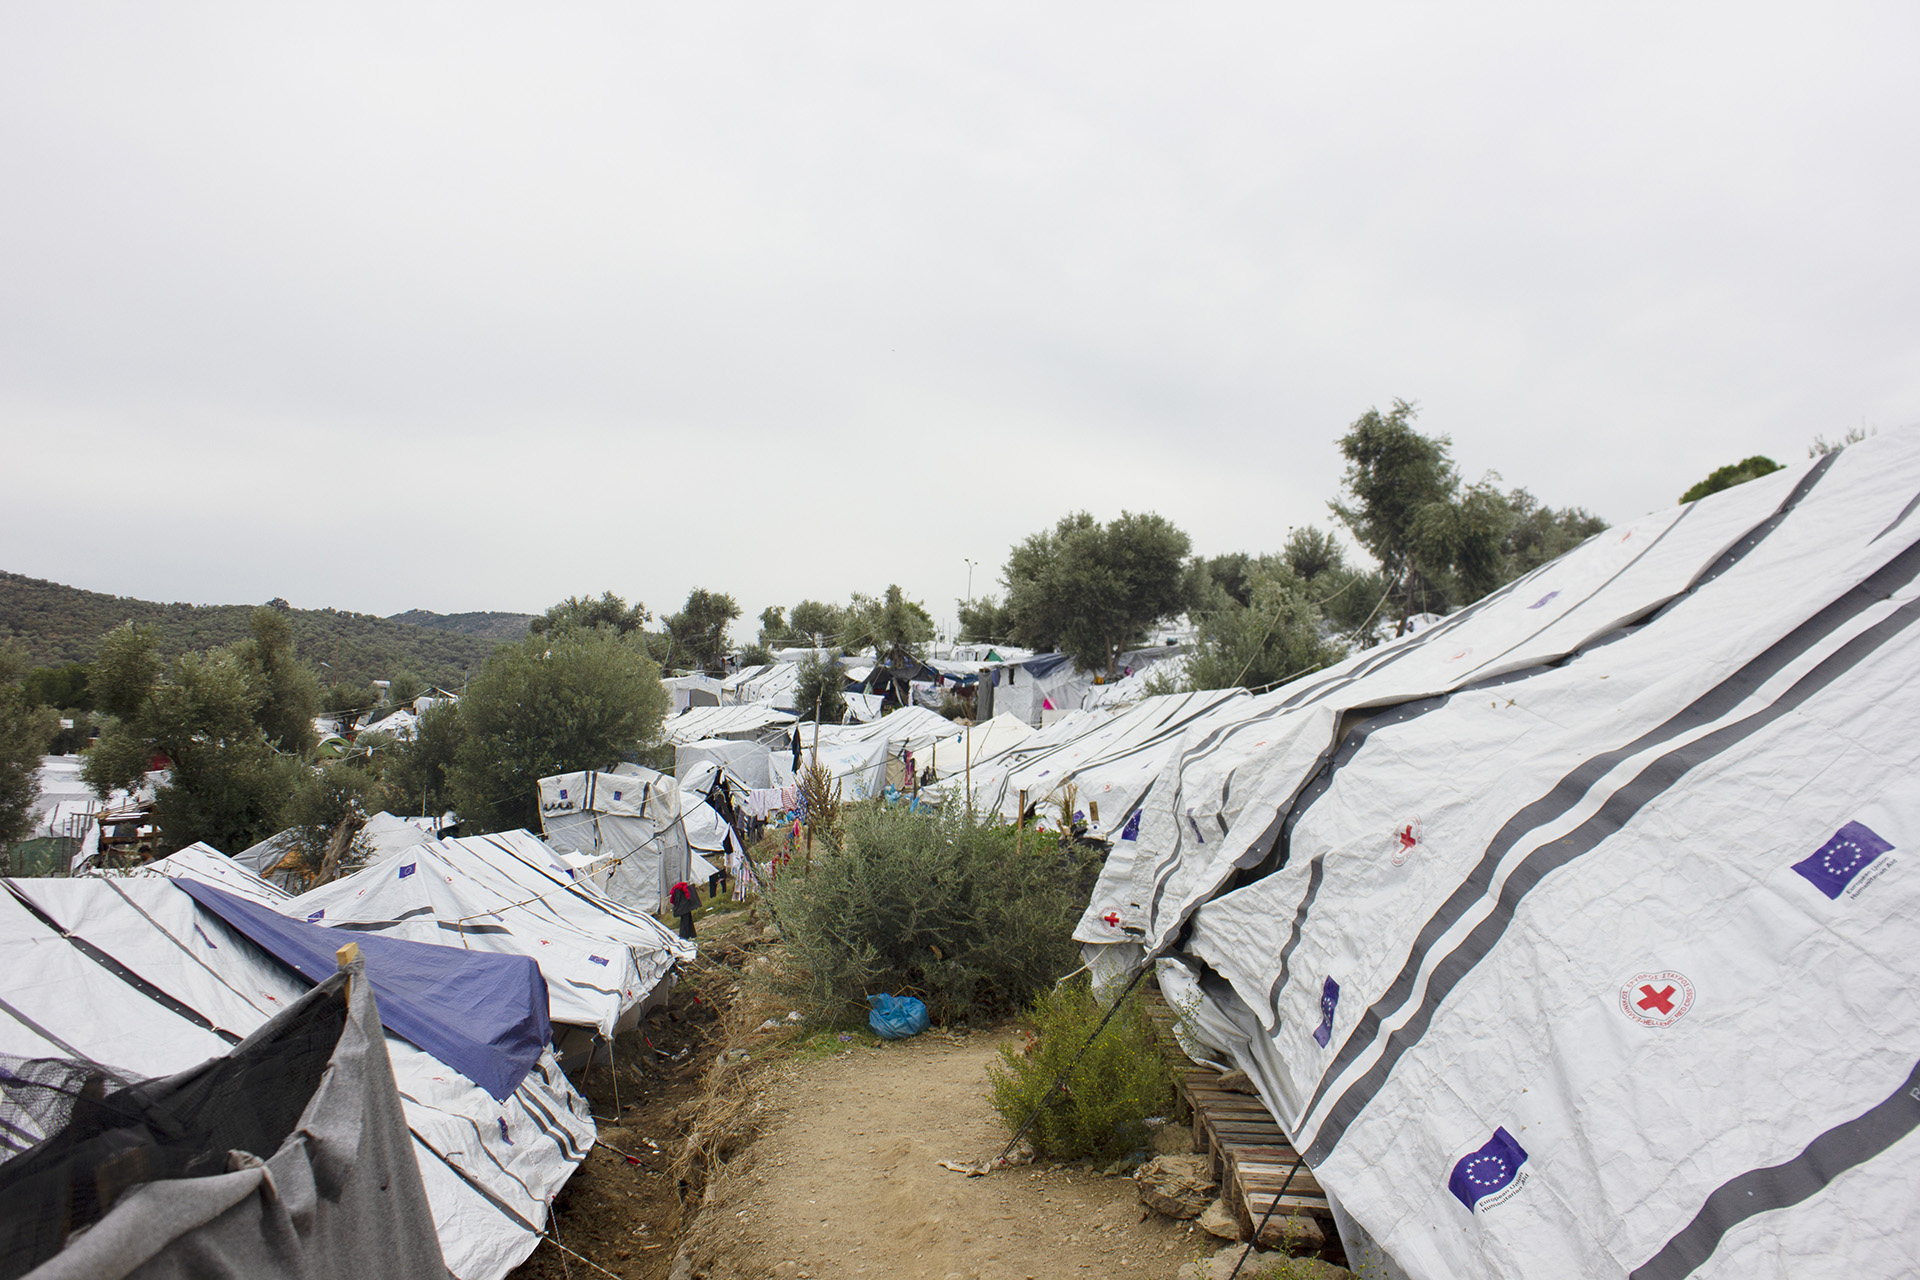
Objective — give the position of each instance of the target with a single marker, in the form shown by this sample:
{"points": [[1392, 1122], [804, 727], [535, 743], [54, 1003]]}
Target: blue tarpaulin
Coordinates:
{"points": [[482, 1013]]}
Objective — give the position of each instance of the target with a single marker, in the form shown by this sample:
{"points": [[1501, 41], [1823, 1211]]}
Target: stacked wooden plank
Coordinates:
{"points": [[1162, 1016], [1257, 1167]]}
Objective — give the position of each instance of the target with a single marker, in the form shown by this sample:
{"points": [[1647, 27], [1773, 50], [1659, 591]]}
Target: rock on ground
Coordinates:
{"points": [[1178, 1186]]}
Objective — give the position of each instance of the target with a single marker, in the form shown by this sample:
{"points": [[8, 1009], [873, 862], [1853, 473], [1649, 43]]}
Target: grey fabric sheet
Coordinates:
{"points": [[342, 1197]]}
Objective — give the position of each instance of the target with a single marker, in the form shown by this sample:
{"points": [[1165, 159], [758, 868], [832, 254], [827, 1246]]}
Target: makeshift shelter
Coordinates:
{"points": [[1573, 935], [208, 865], [772, 685], [632, 817], [756, 723], [692, 691], [968, 747], [751, 764], [164, 974], [508, 893], [863, 756], [131, 1175]]}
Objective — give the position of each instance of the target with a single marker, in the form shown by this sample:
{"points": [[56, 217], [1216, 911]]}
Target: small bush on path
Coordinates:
{"points": [[1100, 1108], [929, 905]]}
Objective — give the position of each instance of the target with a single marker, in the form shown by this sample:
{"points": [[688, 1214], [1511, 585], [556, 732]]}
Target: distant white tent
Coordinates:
{"points": [[508, 892], [971, 745], [631, 816], [756, 723], [1576, 934], [208, 865], [773, 685], [692, 691], [1106, 758], [751, 764]]}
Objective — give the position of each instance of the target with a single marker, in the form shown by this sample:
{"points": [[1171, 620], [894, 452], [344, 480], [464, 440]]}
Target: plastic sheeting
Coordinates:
{"points": [[340, 1197], [482, 1013], [1576, 933], [748, 763], [508, 893], [633, 815], [751, 722], [208, 865]]}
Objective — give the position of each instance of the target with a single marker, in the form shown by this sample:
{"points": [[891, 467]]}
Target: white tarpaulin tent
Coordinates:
{"points": [[1577, 935], [751, 764], [757, 722], [208, 865], [508, 892], [951, 755], [773, 685], [1107, 757], [632, 815], [131, 971]]}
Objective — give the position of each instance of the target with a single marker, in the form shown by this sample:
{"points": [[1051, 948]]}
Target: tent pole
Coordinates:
{"points": [[1020, 825]]}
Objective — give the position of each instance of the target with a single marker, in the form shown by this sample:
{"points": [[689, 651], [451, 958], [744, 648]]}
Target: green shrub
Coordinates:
{"points": [[1100, 1107], [927, 905]]}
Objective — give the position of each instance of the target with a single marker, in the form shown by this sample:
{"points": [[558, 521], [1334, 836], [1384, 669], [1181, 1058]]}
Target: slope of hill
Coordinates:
{"points": [[58, 624], [493, 626]]}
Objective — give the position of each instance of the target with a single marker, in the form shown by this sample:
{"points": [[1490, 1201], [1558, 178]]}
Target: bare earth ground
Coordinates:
{"points": [[817, 1158], [845, 1180]]}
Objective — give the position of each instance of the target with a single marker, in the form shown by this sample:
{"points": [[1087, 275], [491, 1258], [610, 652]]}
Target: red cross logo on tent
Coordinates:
{"points": [[1112, 919], [1406, 838], [1657, 999]]}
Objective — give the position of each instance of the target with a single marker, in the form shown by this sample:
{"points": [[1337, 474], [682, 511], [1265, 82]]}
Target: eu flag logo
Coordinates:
{"points": [[1329, 1001], [1132, 830], [1834, 864], [1492, 1168], [409, 869]]}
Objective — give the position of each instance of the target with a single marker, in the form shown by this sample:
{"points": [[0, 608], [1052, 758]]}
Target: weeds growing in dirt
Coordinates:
{"points": [[929, 905], [1100, 1109]]}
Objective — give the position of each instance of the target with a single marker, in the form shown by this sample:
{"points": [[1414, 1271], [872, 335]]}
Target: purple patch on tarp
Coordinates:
{"points": [[483, 1013], [504, 1135], [1543, 600], [1492, 1168], [316, 915], [409, 869], [597, 959], [1834, 864], [1329, 1001], [1132, 830]]}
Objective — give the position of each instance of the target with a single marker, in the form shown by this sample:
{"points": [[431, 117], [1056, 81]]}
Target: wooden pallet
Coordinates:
{"points": [[1162, 1017], [1250, 1154]]}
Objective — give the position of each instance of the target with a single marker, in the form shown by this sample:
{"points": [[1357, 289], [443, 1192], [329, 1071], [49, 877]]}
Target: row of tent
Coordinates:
{"points": [[495, 961], [1578, 932]]}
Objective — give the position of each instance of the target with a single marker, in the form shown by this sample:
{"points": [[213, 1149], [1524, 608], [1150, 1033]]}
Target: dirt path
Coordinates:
{"points": [[845, 1181]]}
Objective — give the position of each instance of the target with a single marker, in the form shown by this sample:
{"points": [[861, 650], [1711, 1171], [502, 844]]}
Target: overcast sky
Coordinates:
{"points": [[477, 306]]}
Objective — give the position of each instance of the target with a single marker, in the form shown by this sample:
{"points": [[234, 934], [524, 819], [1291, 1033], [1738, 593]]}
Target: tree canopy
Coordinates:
{"points": [[1740, 472], [699, 630], [230, 721], [25, 730], [578, 698], [584, 611], [1441, 544], [1093, 590]]}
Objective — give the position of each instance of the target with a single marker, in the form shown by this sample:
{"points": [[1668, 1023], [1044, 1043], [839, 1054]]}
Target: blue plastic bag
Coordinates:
{"points": [[897, 1017]]}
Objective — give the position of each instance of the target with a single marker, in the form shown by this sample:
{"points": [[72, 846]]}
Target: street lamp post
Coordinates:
{"points": [[956, 625]]}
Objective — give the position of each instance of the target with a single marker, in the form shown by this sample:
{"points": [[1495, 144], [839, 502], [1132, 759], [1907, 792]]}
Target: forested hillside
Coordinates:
{"points": [[494, 626], [59, 624]]}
